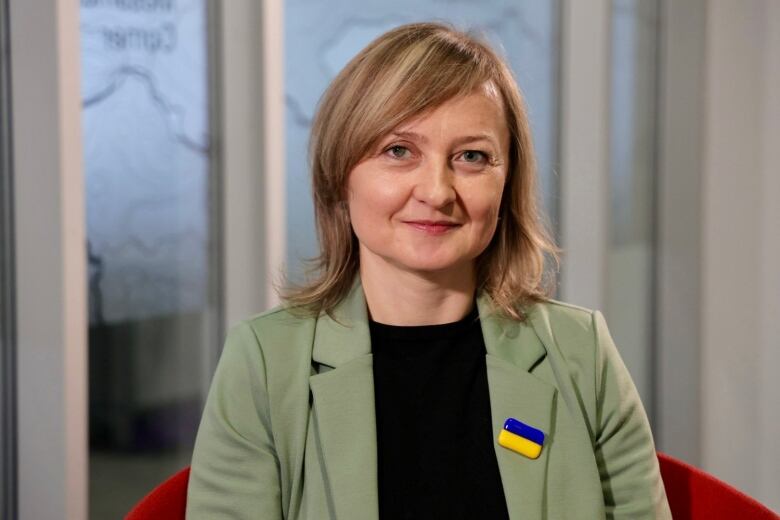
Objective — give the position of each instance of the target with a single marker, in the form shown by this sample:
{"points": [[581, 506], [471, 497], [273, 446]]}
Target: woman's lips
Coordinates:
{"points": [[432, 227]]}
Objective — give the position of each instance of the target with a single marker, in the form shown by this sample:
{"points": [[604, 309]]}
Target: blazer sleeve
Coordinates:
{"points": [[625, 452], [235, 470]]}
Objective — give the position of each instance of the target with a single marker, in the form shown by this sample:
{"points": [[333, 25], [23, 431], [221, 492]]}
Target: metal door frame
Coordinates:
{"points": [[8, 442], [51, 299]]}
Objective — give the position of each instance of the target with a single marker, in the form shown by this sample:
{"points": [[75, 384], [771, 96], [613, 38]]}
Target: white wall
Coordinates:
{"points": [[740, 313]]}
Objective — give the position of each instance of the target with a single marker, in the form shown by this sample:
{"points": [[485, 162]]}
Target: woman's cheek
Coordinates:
{"points": [[487, 205]]}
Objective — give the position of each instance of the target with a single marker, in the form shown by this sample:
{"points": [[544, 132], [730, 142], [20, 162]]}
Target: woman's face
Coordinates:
{"points": [[427, 198]]}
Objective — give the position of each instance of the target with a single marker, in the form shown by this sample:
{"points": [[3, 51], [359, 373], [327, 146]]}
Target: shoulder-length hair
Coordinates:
{"points": [[409, 70]]}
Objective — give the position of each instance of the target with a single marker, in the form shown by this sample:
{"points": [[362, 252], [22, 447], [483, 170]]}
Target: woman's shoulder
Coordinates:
{"points": [[277, 332], [279, 318], [574, 333], [562, 318], [565, 310]]}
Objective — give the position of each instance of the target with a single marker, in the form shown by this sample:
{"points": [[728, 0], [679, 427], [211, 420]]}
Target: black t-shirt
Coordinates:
{"points": [[434, 436]]}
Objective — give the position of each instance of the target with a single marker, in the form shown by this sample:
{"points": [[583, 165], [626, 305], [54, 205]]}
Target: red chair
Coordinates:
{"points": [[692, 493], [167, 501]]}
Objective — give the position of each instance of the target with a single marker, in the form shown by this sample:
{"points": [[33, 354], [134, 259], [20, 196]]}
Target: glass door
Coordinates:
{"points": [[152, 229]]}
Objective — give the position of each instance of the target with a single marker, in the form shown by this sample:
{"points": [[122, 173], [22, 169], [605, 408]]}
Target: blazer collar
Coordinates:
{"points": [[344, 412], [344, 335], [509, 340]]}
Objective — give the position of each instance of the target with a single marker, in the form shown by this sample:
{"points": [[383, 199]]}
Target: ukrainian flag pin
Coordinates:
{"points": [[521, 438]]}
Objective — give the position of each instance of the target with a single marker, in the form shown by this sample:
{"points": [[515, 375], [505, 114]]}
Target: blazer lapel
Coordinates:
{"points": [[343, 409], [513, 349]]}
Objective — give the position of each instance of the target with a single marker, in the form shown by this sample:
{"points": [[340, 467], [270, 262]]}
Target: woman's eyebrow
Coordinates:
{"points": [[414, 136], [476, 137]]}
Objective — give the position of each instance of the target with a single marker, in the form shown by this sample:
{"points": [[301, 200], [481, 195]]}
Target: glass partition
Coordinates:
{"points": [[153, 265], [321, 37]]}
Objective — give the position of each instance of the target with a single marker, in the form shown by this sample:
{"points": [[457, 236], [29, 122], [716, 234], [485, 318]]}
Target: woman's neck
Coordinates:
{"points": [[399, 297]]}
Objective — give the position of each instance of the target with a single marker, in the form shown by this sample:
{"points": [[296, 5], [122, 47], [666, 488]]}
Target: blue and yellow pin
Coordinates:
{"points": [[521, 438]]}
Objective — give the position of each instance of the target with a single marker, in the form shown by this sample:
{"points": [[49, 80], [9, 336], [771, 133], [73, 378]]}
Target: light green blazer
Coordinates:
{"points": [[289, 429]]}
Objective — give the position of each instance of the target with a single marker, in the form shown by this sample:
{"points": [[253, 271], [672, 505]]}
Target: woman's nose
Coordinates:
{"points": [[435, 185]]}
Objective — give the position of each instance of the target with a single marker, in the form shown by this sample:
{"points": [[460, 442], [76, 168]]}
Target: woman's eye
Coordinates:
{"points": [[398, 152], [473, 156]]}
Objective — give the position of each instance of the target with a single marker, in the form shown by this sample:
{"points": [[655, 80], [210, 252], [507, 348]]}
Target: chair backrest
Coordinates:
{"points": [[694, 494], [167, 501]]}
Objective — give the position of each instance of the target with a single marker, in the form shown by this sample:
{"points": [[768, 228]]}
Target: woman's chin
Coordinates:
{"points": [[434, 266]]}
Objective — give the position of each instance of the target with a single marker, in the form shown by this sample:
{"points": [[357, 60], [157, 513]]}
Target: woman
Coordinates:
{"points": [[424, 373]]}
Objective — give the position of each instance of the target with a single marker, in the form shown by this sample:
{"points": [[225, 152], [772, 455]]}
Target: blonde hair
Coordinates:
{"points": [[403, 73]]}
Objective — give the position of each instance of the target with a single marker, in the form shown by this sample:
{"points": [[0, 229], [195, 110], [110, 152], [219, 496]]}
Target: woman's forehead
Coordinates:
{"points": [[480, 112]]}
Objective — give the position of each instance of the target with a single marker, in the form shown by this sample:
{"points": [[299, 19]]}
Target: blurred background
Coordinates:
{"points": [[154, 184]]}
